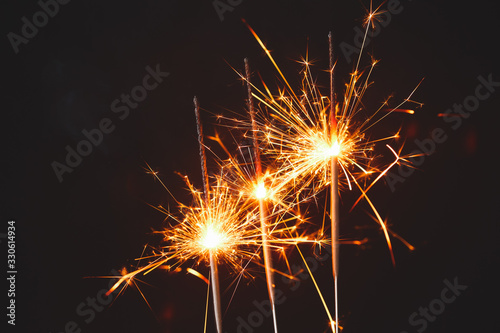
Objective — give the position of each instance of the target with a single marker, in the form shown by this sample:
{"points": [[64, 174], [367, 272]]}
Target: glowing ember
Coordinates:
{"points": [[212, 239], [327, 151], [260, 191]]}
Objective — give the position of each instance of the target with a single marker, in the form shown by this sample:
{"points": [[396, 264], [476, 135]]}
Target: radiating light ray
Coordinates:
{"points": [[197, 274], [332, 322], [379, 220], [378, 177], [206, 306], [402, 240]]}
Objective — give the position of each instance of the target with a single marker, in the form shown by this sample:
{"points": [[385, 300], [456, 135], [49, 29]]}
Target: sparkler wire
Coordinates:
{"points": [[262, 204], [334, 187], [214, 272]]}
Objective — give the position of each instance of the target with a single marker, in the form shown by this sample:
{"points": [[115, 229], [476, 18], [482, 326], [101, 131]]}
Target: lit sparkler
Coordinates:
{"points": [[212, 237], [218, 228], [260, 194], [315, 140], [221, 226]]}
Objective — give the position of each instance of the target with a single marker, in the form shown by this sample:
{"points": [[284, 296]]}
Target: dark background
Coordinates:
{"points": [[96, 220]]}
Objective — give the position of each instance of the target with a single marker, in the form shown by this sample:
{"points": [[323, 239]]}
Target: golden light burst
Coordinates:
{"points": [[298, 134], [302, 130], [309, 141], [240, 172], [225, 227], [318, 140]]}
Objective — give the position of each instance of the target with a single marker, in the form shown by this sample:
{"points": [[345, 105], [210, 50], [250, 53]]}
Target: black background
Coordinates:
{"points": [[65, 78]]}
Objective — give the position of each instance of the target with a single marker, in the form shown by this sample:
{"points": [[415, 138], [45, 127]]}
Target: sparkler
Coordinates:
{"points": [[220, 227], [212, 238], [313, 138], [334, 183], [315, 142], [260, 194]]}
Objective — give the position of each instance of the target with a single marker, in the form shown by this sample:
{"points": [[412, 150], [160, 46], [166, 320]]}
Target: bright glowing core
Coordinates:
{"points": [[260, 191], [335, 149], [211, 239], [327, 151]]}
